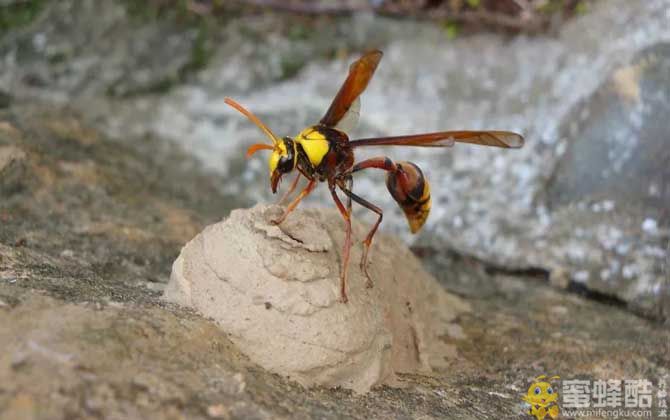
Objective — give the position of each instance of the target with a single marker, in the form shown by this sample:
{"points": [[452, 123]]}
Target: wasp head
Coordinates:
{"points": [[282, 161], [284, 155]]}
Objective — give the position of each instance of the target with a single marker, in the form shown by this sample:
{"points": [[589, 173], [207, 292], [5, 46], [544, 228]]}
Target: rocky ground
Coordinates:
{"points": [[90, 229], [115, 151]]}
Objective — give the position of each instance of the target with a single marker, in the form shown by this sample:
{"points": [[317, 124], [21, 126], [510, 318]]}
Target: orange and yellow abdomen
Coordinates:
{"points": [[410, 189]]}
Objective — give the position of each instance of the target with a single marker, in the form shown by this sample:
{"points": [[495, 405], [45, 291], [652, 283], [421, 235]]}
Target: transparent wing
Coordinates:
{"points": [[360, 73], [505, 139], [350, 119]]}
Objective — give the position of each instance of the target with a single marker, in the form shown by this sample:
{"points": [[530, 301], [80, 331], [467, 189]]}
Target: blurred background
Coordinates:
{"points": [[116, 148], [586, 200], [587, 83]]}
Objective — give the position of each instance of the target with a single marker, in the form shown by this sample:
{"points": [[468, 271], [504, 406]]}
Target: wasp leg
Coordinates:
{"points": [[349, 186], [308, 189], [290, 190], [368, 239], [385, 164], [376, 162], [347, 241]]}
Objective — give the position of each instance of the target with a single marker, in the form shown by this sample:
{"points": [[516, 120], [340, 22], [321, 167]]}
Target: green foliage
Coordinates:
{"points": [[452, 29], [552, 6], [19, 13], [175, 11], [291, 65], [200, 52], [298, 32], [582, 7]]}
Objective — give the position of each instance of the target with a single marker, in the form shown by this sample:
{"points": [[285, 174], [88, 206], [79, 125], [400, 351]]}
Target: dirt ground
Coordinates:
{"points": [[89, 230]]}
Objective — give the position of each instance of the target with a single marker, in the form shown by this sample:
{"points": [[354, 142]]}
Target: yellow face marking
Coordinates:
{"points": [[279, 151], [314, 144]]}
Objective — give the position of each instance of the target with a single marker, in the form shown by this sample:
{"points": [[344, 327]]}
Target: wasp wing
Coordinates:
{"points": [[360, 73], [505, 139], [350, 119]]}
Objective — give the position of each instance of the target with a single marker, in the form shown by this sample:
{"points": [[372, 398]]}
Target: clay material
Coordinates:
{"points": [[274, 290]]}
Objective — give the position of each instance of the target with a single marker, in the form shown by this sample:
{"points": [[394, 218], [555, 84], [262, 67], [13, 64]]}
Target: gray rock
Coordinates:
{"points": [[84, 48], [618, 148], [608, 196]]}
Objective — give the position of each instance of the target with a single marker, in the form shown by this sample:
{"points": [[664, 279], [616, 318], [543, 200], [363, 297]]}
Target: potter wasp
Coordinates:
{"points": [[324, 153]]}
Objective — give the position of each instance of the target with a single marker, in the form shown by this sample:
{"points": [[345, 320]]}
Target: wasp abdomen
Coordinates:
{"points": [[410, 189]]}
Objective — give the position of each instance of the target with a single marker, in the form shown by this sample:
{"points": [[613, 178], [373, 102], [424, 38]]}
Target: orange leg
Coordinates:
{"points": [[368, 239], [380, 162], [308, 189], [383, 163], [294, 184], [347, 243]]}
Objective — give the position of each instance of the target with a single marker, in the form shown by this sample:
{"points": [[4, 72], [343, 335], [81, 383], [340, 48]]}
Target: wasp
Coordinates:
{"points": [[324, 153]]}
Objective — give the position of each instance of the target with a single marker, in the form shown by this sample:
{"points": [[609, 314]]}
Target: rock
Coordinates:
{"points": [[518, 214], [618, 149], [138, 58], [22, 407], [91, 223], [8, 156], [608, 196], [83, 336], [275, 291], [12, 169]]}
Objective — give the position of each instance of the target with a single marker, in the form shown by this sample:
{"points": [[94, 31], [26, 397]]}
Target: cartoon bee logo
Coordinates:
{"points": [[541, 400]]}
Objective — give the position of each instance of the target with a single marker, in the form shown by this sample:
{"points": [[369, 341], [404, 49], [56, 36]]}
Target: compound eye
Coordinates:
{"points": [[550, 391], [286, 164], [537, 391]]}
